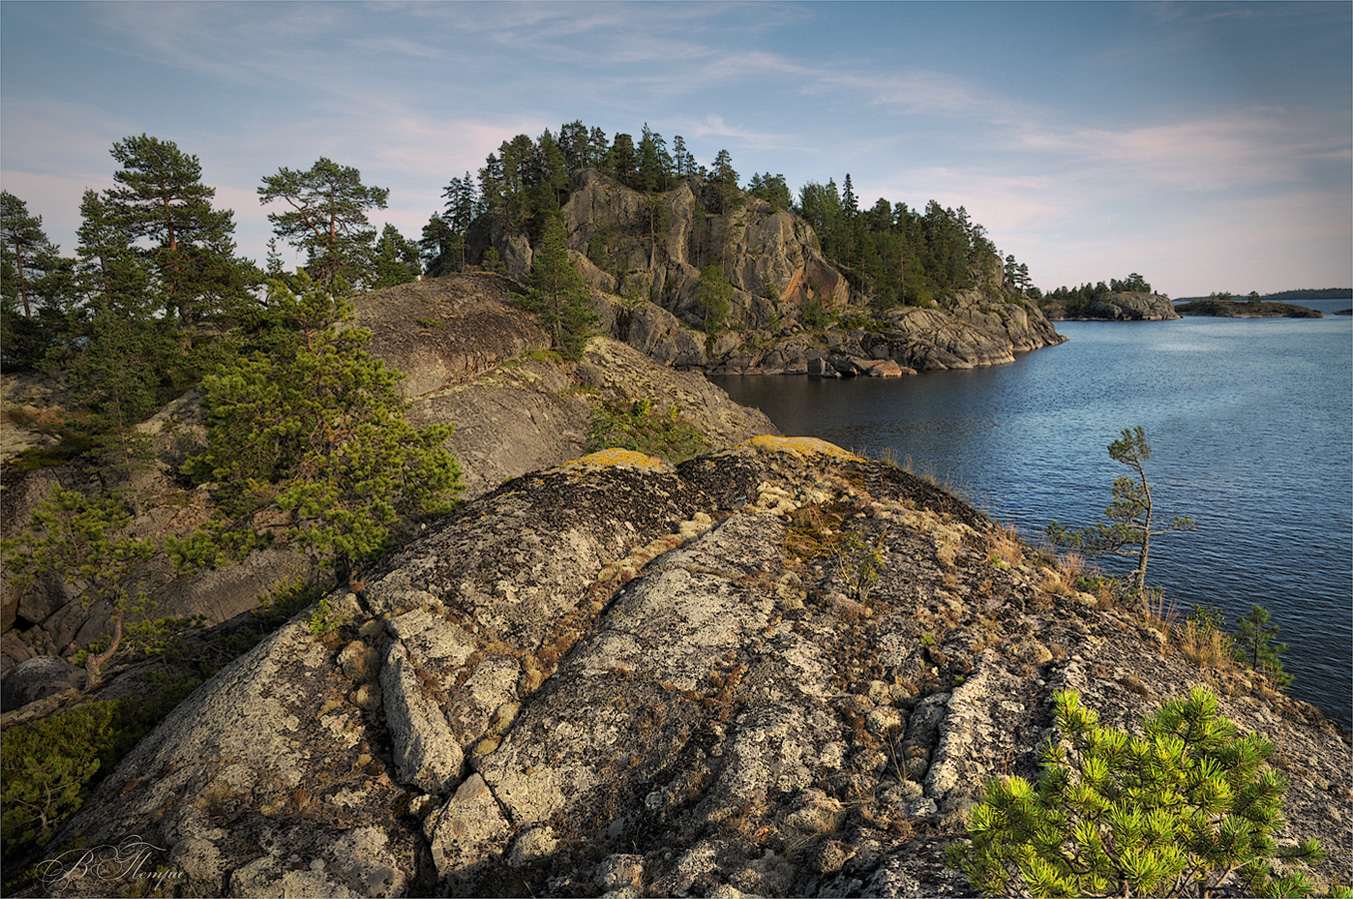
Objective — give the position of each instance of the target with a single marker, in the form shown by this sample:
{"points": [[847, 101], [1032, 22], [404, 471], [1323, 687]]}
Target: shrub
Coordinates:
{"points": [[1185, 809], [49, 767], [644, 429]]}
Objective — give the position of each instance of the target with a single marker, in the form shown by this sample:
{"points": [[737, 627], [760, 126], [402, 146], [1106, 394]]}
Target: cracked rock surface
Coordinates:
{"points": [[776, 670]]}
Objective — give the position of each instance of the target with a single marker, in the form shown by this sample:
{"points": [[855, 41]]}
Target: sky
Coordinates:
{"points": [[1207, 146]]}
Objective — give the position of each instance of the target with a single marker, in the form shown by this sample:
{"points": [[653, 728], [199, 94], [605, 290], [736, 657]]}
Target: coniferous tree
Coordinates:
{"points": [[1189, 808], [160, 198], [558, 296], [1253, 644], [314, 429], [443, 250], [123, 359], [35, 286], [396, 260], [622, 162], [326, 218], [1131, 515]]}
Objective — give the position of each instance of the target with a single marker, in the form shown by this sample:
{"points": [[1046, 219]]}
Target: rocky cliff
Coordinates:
{"points": [[776, 670], [471, 359], [644, 255]]}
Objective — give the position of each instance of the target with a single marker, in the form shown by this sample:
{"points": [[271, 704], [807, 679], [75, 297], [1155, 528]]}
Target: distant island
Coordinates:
{"points": [[1307, 293], [1250, 308]]}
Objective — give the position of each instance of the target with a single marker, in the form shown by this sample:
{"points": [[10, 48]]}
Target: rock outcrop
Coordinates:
{"points": [[1257, 309], [776, 670], [1120, 306], [470, 358], [643, 257]]}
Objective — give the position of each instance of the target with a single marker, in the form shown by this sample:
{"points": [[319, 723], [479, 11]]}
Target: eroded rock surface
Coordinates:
{"points": [[777, 670], [469, 358]]}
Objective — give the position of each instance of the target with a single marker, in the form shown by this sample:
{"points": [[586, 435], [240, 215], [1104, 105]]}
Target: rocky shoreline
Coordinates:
{"points": [[777, 670]]}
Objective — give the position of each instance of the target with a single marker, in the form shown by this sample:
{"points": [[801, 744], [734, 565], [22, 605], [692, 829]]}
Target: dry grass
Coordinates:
{"points": [[1006, 546], [1159, 610], [1206, 647]]}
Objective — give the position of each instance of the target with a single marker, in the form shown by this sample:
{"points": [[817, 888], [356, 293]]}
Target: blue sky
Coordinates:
{"points": [[1205, 145]]}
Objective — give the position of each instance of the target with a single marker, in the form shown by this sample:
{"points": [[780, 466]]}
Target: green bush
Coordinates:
{"points": [[1186, 809], [642, 428], [49, 767]]}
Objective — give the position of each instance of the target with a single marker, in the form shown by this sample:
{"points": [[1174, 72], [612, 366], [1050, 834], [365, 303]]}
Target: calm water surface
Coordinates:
{"points": [[1251, 429]]}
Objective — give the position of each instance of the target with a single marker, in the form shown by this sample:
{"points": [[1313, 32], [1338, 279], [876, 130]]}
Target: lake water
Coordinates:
{"points": [[1250, 423]]}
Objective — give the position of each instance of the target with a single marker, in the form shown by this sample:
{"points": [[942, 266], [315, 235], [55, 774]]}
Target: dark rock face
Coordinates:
{"points": [[779, 670]]}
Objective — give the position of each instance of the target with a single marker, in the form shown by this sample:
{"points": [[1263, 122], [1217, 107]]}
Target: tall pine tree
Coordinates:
{"points": [[558, 295], [326, 219]]}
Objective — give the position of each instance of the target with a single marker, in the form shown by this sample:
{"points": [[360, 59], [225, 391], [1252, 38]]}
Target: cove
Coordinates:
{"points": [[1251, 428]]}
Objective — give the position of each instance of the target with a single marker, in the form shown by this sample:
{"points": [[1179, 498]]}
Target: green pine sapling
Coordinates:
{"points": [[1189, 808]]}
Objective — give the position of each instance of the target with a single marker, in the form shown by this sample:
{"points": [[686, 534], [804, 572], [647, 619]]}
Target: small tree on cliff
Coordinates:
{"points": [[308, 439], [558, 296], [1131, 515], [84, 542]]}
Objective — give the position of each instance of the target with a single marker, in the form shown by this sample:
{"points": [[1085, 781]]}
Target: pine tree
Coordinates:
{"points": [[35, 286], [123, 359], [1253, 645], [310, 440], [326, 219], [84, 541], [558, 296], [160, 198], [1183, 810], [396, 260], [443, 250], [1131, 515]]}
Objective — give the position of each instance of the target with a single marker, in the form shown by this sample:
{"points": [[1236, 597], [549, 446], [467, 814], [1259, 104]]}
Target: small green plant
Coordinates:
{"points": [[858, 563], [644, 429], [1253, 645], [1187, 809], [325, 620]]}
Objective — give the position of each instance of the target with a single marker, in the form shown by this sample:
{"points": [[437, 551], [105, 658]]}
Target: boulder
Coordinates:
{"points": [[37, 678]]}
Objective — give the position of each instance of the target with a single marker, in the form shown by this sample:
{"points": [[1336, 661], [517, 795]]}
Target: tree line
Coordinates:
{"points": [[1076, 299]]}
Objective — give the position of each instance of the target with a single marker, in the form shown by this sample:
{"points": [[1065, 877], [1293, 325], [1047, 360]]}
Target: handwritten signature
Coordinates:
{"points": [[131, 859]]}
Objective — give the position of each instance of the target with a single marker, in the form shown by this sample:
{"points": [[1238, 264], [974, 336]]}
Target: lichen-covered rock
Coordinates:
{"points": [[663, 681]]}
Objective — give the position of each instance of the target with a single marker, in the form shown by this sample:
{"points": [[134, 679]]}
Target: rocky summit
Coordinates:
{"points": [[779, 669]]}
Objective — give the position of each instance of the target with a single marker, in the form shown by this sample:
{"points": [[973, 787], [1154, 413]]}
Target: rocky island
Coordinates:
{"points": [[1250, 309], [790, 310], [1116, 306]]}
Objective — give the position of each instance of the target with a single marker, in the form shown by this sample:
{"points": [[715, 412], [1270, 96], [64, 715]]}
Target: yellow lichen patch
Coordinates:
{"points": [[799, 446], [610, 458]]}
